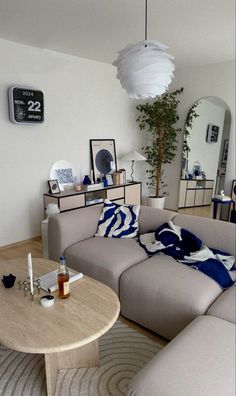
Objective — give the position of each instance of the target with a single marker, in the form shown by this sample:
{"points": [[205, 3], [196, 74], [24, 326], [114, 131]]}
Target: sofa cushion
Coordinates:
{"points": [[164, 295], [151, 218], [211, 232], [104, 258], [200, 361], [225, 306], [118, 221]]}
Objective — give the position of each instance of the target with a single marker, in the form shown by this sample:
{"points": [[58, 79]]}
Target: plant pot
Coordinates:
{"points": [[155, 202]]}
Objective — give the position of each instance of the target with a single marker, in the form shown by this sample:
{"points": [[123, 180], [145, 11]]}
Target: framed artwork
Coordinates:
{"points": [[109, 180], [225, 153], [53, 186], [103, 156]]}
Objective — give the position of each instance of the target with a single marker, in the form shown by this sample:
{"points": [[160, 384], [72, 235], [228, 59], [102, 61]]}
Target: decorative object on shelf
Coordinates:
{"points": [[26, 105], [103, 156], [225, 153], [117, 178], [64, 176], [197, 169], [77, 187], [8, 280], [122, 176], [53, 186], [64, 172], [95, 186], [133, 156], [52, 209], [159, 119], [144, 69], [104, 181], [86, 180], [92, 176], [109, 179]]}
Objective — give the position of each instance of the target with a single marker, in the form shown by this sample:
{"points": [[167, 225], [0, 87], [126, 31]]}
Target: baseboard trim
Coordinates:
{"points": [[11, 245]]}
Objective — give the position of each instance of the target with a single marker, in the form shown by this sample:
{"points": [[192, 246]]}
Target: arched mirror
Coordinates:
{"points": [[204, 158]]}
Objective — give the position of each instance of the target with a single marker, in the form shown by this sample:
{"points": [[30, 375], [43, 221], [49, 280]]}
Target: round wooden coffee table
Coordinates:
{"points": [[66, 333]]}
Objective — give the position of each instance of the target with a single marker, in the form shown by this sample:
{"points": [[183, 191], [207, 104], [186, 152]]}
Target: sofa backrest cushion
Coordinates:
{"points": [[65, 229], [151, 218], [214, 233]]}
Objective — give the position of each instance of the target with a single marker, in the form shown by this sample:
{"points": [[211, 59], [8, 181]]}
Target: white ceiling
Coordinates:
{"points": [[197, 32]]}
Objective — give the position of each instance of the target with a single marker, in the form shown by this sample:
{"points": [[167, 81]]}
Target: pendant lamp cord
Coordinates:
{"points": [[146, 20]]}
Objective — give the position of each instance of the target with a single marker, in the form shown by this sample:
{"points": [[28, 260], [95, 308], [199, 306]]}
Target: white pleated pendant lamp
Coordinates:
{"points": [[144, 69]]}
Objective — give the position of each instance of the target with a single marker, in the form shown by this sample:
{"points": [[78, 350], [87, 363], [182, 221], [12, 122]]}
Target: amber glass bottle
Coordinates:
{"points": [[63, 279]]}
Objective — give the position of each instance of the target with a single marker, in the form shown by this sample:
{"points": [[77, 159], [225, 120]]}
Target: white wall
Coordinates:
{"points": [[83, 100], [211, 80]]}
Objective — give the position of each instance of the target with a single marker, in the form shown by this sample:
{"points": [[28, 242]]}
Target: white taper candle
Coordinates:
{"points": [[30, 272]]}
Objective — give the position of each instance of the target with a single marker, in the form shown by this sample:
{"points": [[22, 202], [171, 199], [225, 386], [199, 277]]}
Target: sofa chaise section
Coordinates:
{"points": [[164, 295], [200, 361]]}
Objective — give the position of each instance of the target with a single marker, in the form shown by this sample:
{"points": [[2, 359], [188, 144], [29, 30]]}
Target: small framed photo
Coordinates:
{"points": [[109, 179], [53, 186]]}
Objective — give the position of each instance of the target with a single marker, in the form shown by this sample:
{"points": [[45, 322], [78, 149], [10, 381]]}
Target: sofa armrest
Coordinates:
{"points": [[68, 228]]}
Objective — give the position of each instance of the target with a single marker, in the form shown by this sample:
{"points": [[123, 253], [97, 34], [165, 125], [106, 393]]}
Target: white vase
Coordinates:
{"points": [[155, 202], [52, 209]]}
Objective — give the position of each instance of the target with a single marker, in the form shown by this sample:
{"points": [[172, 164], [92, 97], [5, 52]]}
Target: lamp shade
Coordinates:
{"points": [[133, 156], [144, 69]]}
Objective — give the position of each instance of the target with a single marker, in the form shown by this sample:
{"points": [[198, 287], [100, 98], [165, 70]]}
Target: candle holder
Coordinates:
{"points": [[8, 281]]}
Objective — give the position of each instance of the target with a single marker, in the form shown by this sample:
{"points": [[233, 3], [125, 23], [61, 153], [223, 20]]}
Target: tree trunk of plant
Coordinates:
{"points": [[160, 144]]}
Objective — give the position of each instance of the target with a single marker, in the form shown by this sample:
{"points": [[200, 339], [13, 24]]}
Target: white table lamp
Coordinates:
{"points": [[133, 156]]}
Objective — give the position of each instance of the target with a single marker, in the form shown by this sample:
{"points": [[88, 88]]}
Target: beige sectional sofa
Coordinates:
{"points": [[159, 293]]}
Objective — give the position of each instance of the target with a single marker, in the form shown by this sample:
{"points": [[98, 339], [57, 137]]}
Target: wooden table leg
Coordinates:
{"points": [[85, 356], [51, 368]]}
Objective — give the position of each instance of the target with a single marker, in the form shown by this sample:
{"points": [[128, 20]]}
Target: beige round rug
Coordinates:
{"points": [[123, 352]]}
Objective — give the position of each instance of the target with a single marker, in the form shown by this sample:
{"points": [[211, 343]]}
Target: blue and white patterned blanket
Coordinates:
{"points": [[186, 248]]}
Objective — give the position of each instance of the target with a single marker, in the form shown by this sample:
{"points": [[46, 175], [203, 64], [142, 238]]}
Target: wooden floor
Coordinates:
{"points": [[35, 247], [202, 211]]}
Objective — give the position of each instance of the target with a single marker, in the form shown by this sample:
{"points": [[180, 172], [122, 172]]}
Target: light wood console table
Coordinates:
{"points": [[66, 333], [129, 193]]}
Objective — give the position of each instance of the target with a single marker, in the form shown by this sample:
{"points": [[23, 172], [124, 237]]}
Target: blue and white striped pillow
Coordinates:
{"points": [[118, 221]]}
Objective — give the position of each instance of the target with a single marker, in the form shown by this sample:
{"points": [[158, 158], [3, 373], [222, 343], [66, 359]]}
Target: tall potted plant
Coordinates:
{"points": [[159, 119]]}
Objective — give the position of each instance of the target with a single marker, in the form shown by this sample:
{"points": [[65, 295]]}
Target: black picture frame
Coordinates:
{"points": [[103, 153], [53, 186]]}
